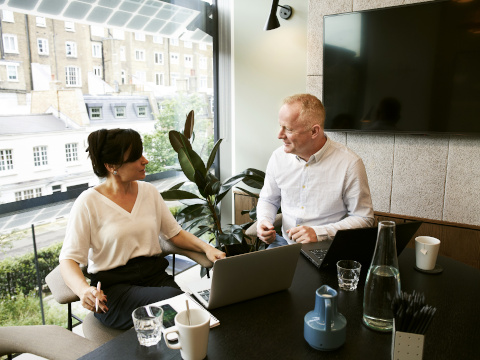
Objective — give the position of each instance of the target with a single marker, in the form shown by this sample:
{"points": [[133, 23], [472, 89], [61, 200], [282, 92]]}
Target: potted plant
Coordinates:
{"points": [[201, 214]]}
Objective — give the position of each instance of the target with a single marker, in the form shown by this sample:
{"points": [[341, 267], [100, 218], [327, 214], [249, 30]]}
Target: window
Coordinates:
{"points": [[40, 21], [157, 39], [40, 156], [202, 46], [69, 26], [95, 113], [203, 82], [72, 76], [159, 79], [122, 53], [56, 188], [173, 58], [7, 16], [97, 50], [120, 112], [12, 72], [42, 46], [71, 152], [188, 61], [174, 42], [140, 55], [141, 111], [202, 62], [97, 30], [6, 160], [139, 36], [187, 44], [28, 194], [10, 44], [71, 49], [124, 77], [97, 71], [118, 34], [158, 57]]}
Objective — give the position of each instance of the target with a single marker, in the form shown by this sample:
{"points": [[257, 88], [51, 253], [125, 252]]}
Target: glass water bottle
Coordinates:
{"points": [[383, 280]]}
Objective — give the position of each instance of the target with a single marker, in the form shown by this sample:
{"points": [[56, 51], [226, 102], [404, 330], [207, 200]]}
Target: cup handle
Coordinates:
{"points": [[170, 345]]}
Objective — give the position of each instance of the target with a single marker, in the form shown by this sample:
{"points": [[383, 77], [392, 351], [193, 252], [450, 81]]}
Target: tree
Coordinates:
{"points": [[172, 116]]}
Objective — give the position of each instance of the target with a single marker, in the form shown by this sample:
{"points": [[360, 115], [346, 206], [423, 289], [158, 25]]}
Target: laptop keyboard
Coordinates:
{"points": [[205, 294], [319, 253]]}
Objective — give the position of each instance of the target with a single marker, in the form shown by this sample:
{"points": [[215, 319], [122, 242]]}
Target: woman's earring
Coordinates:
{"points": [[115, 172]]}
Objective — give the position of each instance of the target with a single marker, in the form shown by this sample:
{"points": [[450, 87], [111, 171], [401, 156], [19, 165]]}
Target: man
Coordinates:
{"points": [[320, 184]]}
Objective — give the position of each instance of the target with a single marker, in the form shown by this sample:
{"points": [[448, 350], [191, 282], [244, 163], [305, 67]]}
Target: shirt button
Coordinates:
{"points": [[302, 207], [303, 187]]}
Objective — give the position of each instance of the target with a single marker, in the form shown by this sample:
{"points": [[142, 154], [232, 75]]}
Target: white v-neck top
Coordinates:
{"points": [[104, 235]]}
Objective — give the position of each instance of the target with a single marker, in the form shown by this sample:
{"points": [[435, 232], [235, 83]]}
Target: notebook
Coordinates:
{"points": [[247, 276], [355, 244]]}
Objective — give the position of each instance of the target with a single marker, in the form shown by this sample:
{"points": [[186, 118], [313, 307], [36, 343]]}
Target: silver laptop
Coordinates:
{"points": [[247, 276]]}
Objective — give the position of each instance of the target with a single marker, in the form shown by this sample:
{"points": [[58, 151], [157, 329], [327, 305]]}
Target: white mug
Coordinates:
{"points": [[193, 338], [426, 251]]}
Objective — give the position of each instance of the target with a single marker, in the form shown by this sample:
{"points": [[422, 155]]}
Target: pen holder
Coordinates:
{"points": [[406, 346]]}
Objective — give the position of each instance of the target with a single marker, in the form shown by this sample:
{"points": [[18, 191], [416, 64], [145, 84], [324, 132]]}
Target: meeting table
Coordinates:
{"points": [[271, 326]]}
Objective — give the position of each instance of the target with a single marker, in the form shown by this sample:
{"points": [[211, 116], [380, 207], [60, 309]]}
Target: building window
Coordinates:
{"points": [[122, 53], [6, 160], [203, 82], [97, 71], [124, 77], [42, 46], [187, 44], [71, 49], [139, 36], [141, 111], [12, 73], [40, 156], [97, 30], [95, 113], [28, 194], [56, 188], [97, 50], [174, 42], [40, 21], [10, 44], [202, 62], [188, 61], [71, 152], [72, 76], [69, 26], [158, 58], [140, 55], [202, 46], [120, 112], [173, 58], [7, 16], [158, 39], [159, 79]]}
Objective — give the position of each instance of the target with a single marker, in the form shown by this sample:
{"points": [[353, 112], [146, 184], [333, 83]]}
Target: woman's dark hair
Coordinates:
{"points": [[109, 147]]}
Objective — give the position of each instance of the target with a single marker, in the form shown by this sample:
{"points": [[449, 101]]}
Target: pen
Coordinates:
{"points": [[96, 298]]}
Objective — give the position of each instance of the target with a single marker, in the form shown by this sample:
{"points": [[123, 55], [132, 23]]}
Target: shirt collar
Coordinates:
{"points": [[319, 154]]}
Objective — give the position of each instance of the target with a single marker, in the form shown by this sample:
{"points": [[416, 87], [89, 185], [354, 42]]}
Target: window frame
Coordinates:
{"points": [[139, 55], [40, 156], [120, 115], [158, 58], [9, 68], [69, 77], [97, 50], [71, 153], [10, 43], [70, 49], [45, 46], [92, 110], [40, 21], [6, 161]]}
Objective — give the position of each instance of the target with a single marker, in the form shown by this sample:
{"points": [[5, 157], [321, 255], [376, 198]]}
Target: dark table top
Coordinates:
{"points": [[272, 325]]}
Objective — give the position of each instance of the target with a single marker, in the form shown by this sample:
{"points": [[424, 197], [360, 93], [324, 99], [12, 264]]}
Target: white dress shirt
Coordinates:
{"points": [[329, 192]]}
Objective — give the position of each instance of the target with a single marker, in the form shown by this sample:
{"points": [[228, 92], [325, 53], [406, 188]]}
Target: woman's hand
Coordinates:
{"points": [[88, 300], [213, 254]]}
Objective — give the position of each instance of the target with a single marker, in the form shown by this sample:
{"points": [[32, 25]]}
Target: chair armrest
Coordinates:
{"points": [[200, 258], [60, 291]]}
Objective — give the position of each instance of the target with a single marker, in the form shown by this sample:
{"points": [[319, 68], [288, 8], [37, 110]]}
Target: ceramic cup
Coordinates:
{"points": [[192, 334], [426, 251]]}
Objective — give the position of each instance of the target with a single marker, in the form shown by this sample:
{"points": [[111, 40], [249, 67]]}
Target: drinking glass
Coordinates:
{"points": [[348, 272], [148, 321]]}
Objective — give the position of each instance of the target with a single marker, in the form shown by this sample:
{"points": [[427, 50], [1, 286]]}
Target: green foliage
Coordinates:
{"points": [[201, 215], [18, 275], [157, 145]]}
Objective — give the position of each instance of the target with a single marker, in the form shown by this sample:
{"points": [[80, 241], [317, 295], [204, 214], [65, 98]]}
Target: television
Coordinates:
{"points": [[406, 69]]}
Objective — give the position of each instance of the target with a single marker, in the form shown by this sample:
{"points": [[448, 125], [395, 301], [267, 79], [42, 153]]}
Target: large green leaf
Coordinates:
{"points": [[177, 186], [248, 192], [211, 158], [190, 162], [175, 140], [172, 195], [227, 185], [213, 185], [190, 212], [189, 202], [188, 130], [201, 182]]}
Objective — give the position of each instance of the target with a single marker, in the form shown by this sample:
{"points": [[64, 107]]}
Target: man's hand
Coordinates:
{"points": [[266, 231], [213, 254], [302, 234]]}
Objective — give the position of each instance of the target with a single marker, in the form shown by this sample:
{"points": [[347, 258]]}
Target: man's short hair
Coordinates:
{"points": [[312, 110]]}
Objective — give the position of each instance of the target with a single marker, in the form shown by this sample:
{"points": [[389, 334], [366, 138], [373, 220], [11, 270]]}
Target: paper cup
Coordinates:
{"points": [[426, 251]]}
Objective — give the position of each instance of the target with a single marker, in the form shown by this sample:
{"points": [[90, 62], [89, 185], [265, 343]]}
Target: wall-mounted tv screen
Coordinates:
{"points": [[413, 69]]}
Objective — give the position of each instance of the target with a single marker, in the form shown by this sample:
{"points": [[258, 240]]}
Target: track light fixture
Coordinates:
{"points": [[272, 21]]}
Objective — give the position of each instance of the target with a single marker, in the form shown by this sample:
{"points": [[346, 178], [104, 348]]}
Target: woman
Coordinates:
{"points": [[114, 227]]}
